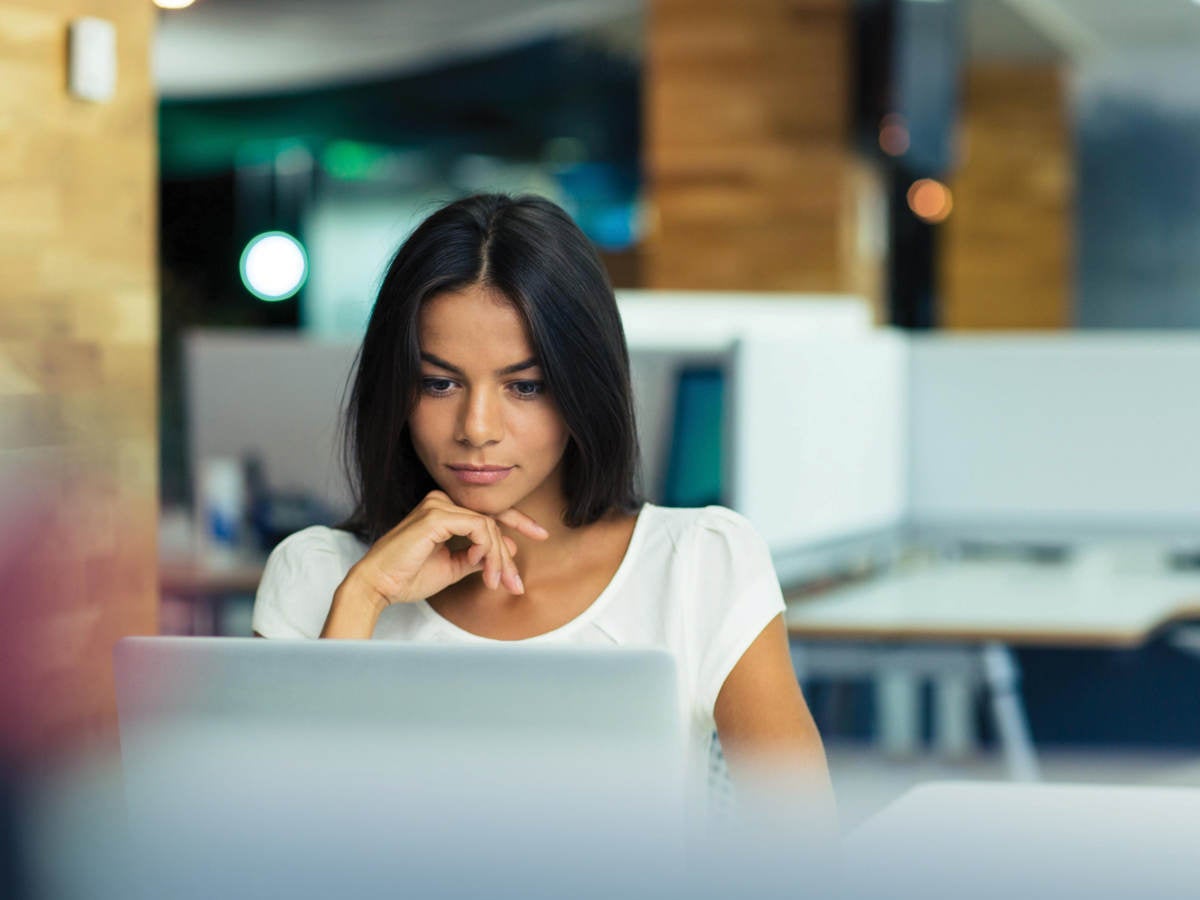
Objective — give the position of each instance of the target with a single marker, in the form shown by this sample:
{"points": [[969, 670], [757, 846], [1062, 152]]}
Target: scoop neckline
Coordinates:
{"points": [[589, 613]]}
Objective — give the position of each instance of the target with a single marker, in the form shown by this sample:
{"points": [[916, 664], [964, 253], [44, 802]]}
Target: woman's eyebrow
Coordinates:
{"points": [[518, 367], [507, 370]]}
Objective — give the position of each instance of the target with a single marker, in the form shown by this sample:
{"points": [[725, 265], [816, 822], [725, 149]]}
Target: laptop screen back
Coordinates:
{"points": [[401, 719]]}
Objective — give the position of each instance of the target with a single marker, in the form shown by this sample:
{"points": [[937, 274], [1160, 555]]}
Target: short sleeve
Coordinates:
{"points": [[738, 595], [299, 580]]}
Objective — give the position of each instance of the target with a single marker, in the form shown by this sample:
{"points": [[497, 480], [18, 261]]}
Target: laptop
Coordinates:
{"points": [[369, 768], [217, 733]]}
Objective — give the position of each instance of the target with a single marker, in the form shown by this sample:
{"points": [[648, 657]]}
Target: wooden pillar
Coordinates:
{"points": [[78, 376], [752, 184], [1007, 257]]}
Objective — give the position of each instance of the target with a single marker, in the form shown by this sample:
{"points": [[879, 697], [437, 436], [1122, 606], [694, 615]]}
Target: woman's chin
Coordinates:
{"points": [[485, 502]]}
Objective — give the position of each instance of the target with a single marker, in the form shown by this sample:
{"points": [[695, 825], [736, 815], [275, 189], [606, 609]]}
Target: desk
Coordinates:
{"points": [[959, 839], [206, 586], [957, 622]]}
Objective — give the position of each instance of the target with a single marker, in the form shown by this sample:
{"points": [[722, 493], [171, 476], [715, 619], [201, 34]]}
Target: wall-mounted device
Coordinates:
{"points": [[92, 70]]}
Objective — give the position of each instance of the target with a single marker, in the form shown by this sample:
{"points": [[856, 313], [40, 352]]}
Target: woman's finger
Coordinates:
{"points": [[479, 529], [497, 559], [499, 554], [490, 548], [512, 576], [493, 563], [516, 519]]}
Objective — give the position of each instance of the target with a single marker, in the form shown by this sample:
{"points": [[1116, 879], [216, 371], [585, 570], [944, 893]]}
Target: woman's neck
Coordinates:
{"points": [[567, 549], [538, 558]]}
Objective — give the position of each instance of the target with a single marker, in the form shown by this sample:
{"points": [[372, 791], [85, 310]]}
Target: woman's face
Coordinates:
{"points": [[483, 425]]}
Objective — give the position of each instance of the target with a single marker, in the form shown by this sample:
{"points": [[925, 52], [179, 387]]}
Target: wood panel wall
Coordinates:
{"points": [[78, 374], [1007, 258], [751, 180]]}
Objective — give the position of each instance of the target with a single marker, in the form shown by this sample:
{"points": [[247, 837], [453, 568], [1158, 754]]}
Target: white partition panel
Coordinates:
{"points": [[274, 394], [818, 436], [713, 320], [670, 330], [1080, 430]]}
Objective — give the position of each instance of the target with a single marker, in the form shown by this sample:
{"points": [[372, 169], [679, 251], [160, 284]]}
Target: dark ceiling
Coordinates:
{"points": [[509, 104]]}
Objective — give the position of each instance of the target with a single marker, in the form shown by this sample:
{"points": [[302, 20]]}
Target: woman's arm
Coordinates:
{"points": [[355, 610], [766, 730]]}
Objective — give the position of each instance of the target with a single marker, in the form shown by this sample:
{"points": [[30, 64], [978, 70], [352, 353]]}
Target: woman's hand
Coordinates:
{"points": [[415, 560]]}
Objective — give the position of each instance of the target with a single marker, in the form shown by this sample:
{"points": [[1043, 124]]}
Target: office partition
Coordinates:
{"points": [[275, 395], [699, 321], [1055, 435], [679, 337], [818, 432]]}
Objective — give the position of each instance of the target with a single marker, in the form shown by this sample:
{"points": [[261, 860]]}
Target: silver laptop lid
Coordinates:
{"points": [[250, 715], [400, 688], [260, 763]]}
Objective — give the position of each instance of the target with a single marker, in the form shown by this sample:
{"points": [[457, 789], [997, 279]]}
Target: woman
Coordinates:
{"points": [[493, 453]]}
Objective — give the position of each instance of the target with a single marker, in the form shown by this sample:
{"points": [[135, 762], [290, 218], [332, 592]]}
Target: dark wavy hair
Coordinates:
{"points": [[529, 250]]}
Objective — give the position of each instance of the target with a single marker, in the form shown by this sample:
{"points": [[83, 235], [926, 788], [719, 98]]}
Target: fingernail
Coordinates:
{"points": [[520, 583]]}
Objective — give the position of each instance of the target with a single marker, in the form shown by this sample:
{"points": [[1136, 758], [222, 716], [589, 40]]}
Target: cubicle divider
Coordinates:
{"points": [[698, 321], [813, 426], [276, 396], [818, 460], [1054, 437]]}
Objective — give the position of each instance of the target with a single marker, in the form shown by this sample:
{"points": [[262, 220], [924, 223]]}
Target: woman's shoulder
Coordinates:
{"points": [[299, 580], [715, 540], [684, 523], [319, 540]]}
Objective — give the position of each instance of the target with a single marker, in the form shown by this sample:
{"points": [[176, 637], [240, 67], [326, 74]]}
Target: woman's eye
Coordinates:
{"points": [[528, 388], [437, 386]]}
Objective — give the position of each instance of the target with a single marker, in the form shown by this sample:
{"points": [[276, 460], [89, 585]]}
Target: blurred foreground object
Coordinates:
{"points": [[59, 618], [1030, 841], [350, 834], [558, 776], [64, 564]]}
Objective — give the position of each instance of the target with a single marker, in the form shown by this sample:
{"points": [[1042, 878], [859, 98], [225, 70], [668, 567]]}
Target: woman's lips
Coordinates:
{"points": [[480, 474]]}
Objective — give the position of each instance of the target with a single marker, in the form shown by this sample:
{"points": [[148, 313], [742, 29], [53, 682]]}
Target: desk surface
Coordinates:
{"points": [[1011, 602]]}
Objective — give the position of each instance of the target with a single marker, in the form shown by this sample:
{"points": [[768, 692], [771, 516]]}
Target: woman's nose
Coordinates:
{"points": [[482, 420]]}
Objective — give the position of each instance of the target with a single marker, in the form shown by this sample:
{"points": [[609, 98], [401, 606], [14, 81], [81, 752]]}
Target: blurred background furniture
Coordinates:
{"points": [[955, 624], [202, 595]]}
